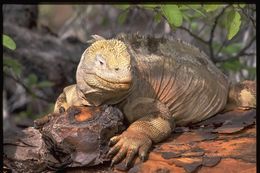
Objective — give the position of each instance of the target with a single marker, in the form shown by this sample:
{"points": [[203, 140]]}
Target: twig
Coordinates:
{"points": [[240, 53], [221, 47], [202, 28], [248, 16], [194, 35], [27, 88], [248, 54], [210, 41], [185, 29]]}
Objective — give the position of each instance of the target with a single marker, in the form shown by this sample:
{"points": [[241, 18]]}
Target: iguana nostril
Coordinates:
{"points": [[116, 69]]}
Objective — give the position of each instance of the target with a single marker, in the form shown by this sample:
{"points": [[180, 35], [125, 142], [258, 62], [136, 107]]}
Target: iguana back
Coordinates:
{"points": [[179, 75]]}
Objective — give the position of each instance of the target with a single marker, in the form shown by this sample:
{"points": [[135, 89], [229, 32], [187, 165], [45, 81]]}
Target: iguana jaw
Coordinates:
{"points": [[124, 85], [97, 81], [97, 92]]}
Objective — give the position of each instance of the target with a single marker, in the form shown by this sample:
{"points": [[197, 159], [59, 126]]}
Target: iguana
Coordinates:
{"points": [[157, 83]]}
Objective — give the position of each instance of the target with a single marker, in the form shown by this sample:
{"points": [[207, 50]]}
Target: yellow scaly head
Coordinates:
{"points": [[106, 65]]}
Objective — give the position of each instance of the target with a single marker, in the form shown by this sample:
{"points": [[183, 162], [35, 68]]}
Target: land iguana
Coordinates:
{"points": [[157, 83]]}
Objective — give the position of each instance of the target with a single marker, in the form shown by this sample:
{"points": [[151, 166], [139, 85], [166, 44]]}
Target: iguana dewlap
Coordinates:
{"points": [[157, 83]]}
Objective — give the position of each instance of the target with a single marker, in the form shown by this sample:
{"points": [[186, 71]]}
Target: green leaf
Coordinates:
{"points": [[122, 7], [122, 17], [150, 5], [196, 9], [211, 7], [9, 42], [191, 6], [183, 7], [233, 65], [158, 17], [194, 6], [45, 84], [186, 17], [239, 5], [32, 79], [172, 14], [194, 26], [233, 23], [216, 45], [242, 5], [232, 48], [13, 64]]}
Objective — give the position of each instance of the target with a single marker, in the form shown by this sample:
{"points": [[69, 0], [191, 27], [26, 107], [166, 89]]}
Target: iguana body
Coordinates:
{"points": [[157, 83]]}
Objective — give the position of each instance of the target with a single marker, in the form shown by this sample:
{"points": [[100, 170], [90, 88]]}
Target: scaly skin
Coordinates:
{"points": [[157, 83]]}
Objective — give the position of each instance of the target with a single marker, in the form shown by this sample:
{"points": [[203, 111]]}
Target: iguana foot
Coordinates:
{"points": [[128, 145], [40, 122]]}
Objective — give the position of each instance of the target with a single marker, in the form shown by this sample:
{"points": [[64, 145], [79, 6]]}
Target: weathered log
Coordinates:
{"points": [[75, 141], [79, 137], [223, 143]]}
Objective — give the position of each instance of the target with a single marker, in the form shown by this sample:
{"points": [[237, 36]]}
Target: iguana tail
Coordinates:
{"points": [[242, 96]]}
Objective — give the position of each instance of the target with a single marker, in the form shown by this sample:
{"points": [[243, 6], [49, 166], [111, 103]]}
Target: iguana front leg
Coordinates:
{"points": [[155, 126], [67, 98], [61, 104]]}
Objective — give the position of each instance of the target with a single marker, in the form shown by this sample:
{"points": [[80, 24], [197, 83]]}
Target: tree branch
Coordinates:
{"points": [[210, 41], [27, 89], [248, 16], [194, 35], [242, 52], [221, 47]]}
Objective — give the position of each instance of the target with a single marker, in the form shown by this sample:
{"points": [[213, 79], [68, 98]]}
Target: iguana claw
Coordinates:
{"points": [[127, 145]]}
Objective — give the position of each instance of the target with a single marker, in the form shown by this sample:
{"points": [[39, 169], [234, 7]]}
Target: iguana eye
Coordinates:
{"points": [[100, 60]]}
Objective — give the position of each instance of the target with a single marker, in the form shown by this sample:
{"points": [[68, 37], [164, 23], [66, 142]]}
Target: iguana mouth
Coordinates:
{"points": [[111, 85], [114, 84]]}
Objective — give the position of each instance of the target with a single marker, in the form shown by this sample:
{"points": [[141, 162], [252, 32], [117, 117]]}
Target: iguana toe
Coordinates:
{"points": [[61, 110], [115, 149], [130, 155], [128, 145], [119, 156], [143, 151], [113, 140]]}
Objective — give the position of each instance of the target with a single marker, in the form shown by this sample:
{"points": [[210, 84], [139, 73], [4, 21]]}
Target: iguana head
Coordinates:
{"points": [[106, 66]]}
